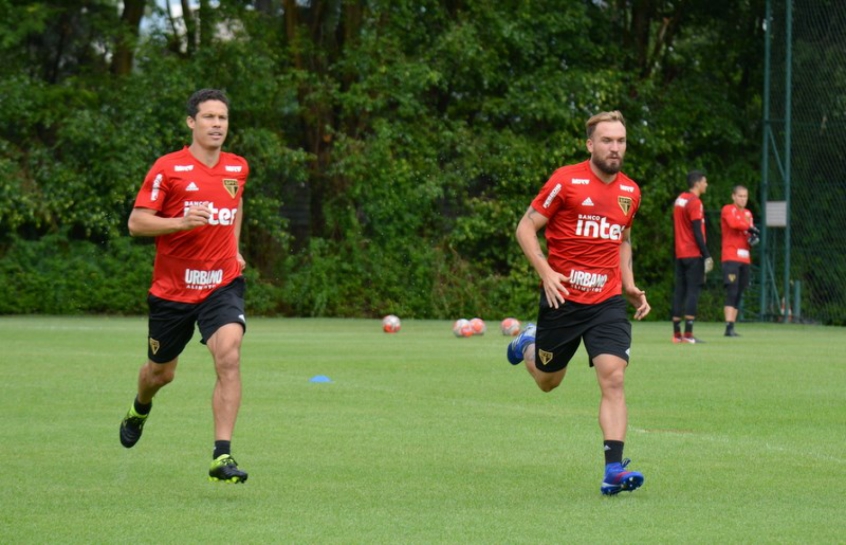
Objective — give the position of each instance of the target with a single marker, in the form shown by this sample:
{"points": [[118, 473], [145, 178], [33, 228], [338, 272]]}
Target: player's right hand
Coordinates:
{"points": [[709, 264], [196, 216], [553, 286]]}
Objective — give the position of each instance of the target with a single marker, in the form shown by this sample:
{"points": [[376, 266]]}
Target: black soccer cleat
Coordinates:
{"points": [[132, 427], [224, 469]]}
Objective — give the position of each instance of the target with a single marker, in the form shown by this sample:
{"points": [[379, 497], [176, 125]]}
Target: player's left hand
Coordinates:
{"points": [[241, 261], [637, 297]]}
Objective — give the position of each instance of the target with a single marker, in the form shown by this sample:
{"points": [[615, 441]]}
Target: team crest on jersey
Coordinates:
{"points": [[154, 345], [545, 356], [625, 203], [231, 186], [732, 278]]}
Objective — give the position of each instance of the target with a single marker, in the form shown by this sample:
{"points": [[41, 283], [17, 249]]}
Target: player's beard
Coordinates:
{"points": [[606, 167]]}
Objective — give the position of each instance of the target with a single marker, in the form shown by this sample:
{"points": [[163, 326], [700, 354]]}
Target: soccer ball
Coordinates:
{"points": [[478, 326], [462, 328], [510, 327], [390, 324]]}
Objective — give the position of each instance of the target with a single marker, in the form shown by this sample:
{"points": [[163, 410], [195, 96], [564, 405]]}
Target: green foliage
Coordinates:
{"points": [[393, 146], [54, 275]]}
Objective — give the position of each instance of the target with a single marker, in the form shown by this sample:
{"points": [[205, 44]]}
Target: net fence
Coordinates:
{"points": [[802, 265]]}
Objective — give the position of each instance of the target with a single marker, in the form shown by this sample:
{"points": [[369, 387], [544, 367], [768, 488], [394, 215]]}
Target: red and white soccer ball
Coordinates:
{"points": [[478, 326], [462, 328], [391, 324], [510, 327]]}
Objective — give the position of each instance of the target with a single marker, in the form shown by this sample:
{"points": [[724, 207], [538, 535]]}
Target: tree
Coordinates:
{"points": [[126, 40], [394, 145]]}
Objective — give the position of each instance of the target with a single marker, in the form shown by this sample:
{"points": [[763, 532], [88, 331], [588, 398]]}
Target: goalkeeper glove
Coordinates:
{"points": [[754, 235], [709, 264]]}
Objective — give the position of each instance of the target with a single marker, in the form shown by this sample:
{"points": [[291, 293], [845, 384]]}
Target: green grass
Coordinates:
{"points": [[422, 438]]}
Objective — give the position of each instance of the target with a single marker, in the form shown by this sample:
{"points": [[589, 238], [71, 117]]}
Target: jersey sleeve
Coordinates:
{"points": [[550, 198], [734, 220], [694, 210], [154, 189]]}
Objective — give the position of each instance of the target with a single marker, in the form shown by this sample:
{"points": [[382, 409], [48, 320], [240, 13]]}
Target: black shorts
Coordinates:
{"points": [[735, 272], [690, 271], [735, 280], [605, 328], [171, 324]]}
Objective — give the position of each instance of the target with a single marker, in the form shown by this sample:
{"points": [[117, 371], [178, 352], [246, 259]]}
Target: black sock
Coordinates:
{"points": [[729, 326], [677, 328], [142, 408], [688, 327], [221, 448], [613, 452]]}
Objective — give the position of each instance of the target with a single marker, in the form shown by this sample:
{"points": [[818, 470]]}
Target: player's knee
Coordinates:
{"points": [[546, 387], [228, 362], [159, 375], [613, 382], [547, 382], [732, 295], [611, 374]]}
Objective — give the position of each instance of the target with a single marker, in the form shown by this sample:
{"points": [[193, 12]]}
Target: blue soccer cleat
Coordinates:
{"points": [[617, 479], [519, 344]]}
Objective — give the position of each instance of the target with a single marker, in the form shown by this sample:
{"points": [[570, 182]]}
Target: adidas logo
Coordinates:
{"points": [[192, 187], [587, 202]]}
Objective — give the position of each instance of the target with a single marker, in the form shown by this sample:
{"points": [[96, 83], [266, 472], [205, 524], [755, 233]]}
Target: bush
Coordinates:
{"points": [[54, 275]]}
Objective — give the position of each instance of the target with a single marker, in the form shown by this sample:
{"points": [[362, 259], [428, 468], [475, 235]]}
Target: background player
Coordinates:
{"points": [[191, 201], [586, 210], [738, 232], [693, 261]]}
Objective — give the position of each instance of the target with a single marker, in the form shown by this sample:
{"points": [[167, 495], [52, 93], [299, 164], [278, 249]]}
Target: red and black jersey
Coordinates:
{"points": [[687, 208], [734, 223], [586, 220], [191, 264]]}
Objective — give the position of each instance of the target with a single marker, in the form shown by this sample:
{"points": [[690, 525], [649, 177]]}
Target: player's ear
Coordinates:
{"points": [[190, 122]]}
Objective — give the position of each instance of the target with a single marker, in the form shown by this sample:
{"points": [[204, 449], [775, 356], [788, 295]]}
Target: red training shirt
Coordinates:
{"points": [[734, 223], [688, 208], [191, 264], [587, 218]]}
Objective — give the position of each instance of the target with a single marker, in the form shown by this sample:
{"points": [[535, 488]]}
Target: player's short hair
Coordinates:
{"points": [[602, 117], [204, 95], [694, 176], [737, 188]]}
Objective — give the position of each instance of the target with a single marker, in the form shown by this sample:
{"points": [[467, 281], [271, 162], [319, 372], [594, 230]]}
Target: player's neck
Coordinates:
{"points": [[207, 156], [603, 177]]}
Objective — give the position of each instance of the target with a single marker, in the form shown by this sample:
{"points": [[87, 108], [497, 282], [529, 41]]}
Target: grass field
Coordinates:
{"points": [[422, 438]]}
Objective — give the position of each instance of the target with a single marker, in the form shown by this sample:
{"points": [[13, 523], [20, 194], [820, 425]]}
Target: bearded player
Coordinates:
{"points": [[586, 211], [191, 202]]}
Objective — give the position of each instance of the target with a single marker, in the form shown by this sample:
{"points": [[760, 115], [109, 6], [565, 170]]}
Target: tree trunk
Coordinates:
{"points": [[130, 19]]}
